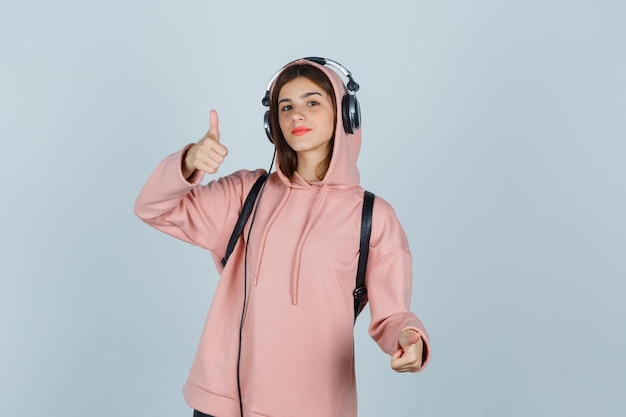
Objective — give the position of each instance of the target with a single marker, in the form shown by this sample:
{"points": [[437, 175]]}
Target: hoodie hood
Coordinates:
{"points": [[342, 171]]}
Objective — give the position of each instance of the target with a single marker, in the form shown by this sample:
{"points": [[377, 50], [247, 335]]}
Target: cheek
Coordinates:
{"points": [[330, 122]]}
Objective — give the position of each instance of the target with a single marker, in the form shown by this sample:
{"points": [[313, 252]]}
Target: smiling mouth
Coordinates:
{"points": [[299, 131]]}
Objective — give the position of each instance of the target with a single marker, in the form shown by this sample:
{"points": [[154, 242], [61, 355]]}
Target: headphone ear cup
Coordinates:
{"points": [[351, 113], [267, 126]]}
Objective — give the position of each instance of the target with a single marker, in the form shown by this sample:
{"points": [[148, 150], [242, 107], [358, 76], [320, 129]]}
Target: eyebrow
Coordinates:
{"points": [[302, 97]]}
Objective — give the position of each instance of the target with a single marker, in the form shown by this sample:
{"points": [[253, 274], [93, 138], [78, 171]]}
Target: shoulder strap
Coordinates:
{"points": [[360, 292], [243, 216]]}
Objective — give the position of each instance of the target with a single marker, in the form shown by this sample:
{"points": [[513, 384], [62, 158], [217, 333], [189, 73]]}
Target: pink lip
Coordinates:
{"points": [[299, 131]]}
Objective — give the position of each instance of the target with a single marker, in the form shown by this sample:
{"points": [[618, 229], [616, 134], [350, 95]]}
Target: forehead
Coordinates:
{"points": [[298, 86]]}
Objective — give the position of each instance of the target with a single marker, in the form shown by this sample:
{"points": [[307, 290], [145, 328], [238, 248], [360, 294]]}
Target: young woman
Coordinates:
{"points": [[278, 340]]}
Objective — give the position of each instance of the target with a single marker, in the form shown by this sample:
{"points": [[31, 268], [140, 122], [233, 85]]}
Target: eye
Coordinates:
{"points": [[314, 103], [285, 108]]}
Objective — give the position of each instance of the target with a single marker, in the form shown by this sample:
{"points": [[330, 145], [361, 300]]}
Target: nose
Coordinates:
{"points": [[297, 116]]}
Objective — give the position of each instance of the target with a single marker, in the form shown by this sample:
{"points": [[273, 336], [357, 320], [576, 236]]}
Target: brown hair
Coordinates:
{"points": [[287, 157]]}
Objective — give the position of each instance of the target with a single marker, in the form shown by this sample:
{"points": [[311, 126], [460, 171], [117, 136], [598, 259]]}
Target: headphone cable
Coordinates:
{"points": [[245, 289]]}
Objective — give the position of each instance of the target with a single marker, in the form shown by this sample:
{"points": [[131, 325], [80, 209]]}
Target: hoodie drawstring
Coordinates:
{"points": [[268, 225], [295, 275]]}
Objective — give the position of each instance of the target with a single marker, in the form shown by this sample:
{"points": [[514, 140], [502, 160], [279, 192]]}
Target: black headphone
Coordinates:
{"points": [[350, 109]]}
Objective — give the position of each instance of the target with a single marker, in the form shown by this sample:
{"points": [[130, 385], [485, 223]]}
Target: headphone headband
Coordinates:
{"points": [[352, 85]]}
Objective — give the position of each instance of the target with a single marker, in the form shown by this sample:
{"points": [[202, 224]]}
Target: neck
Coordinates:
{"points": [[308, 164], [308, 172]]}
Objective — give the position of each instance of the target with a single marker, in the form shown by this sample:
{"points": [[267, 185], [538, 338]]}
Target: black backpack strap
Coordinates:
{"points": [[248, 205], [360, 292]]}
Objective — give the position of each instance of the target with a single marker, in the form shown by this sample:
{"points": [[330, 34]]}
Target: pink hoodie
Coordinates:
{"points": [[297, 356]]}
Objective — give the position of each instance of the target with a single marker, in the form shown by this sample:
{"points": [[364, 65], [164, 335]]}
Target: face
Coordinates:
{"points": [[306, 117]]}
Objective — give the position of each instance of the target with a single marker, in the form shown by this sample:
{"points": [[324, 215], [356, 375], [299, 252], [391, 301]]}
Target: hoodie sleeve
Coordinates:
{"points": [[203, 215], [389, 282]]}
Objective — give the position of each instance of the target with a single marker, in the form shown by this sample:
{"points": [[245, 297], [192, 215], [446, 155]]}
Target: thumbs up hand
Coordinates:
{"points": [[208, 154]]}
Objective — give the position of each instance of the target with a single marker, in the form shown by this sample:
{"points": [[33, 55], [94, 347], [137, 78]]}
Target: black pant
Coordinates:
{"points": [[197, 413]]}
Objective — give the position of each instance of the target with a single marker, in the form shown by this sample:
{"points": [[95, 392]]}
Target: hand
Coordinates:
{"points": [[409, 357], [208, 154]]}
